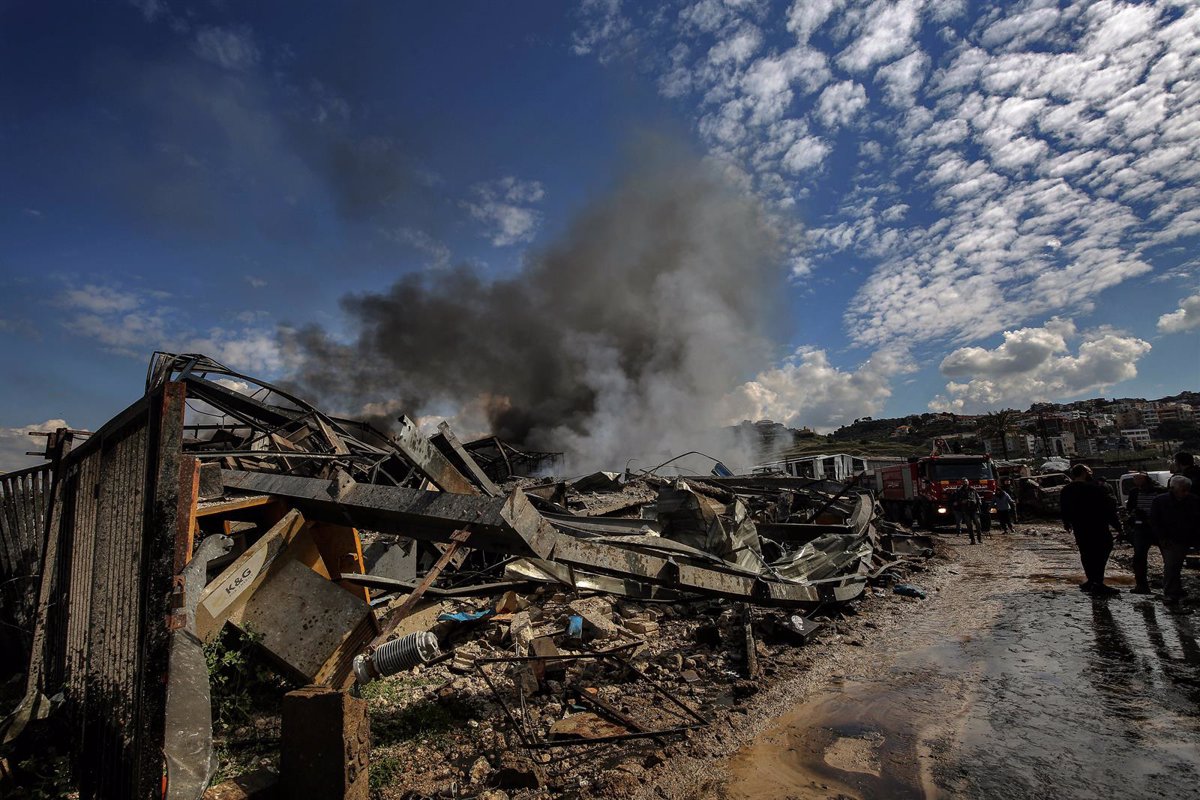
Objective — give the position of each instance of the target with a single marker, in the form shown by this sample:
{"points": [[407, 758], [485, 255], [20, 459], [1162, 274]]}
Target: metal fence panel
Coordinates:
{"points": [[106, 590]]}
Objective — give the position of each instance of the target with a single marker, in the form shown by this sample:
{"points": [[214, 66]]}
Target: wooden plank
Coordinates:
{"points": [[229, 591], [226, 506], [341, 550], [334, 440]]}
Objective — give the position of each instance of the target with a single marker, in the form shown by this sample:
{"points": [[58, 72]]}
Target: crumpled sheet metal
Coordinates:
{"points": [[830, 570]]}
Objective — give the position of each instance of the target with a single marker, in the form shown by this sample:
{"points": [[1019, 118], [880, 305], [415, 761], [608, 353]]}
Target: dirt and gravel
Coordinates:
{"points": [[1006, 681]]}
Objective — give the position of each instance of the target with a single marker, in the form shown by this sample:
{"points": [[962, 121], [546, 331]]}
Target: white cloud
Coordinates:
{"points": [[903, 79], [437, 250], [1053, 149], [504, 206], [136, 322], [1185, 318], [738, 48], [231, 48], [840, 103], [805, 154], [101, 299], [604, 30], [808, 390], [16, 442], [1036, 365], [151, 9], [887, 32], [807, 16]]}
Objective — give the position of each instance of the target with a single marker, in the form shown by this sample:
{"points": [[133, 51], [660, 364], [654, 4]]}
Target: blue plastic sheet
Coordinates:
{"points": [[465, 616]]}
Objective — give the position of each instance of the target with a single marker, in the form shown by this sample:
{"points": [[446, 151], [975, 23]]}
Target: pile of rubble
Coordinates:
{"points": [[447, 582]]}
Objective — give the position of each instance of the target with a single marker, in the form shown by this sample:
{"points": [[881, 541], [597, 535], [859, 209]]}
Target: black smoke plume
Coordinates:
{"points": [[619, 341]]}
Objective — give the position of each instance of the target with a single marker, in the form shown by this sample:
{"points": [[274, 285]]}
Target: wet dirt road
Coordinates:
{"points": [[1009, 683]]}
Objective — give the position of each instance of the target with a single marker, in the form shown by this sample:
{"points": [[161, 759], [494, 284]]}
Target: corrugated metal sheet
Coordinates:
{"points": [[24, 499], [105, 596]]}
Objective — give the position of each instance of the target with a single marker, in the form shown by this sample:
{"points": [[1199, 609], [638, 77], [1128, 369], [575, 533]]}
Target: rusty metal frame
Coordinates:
{"points": [[533, 742]]}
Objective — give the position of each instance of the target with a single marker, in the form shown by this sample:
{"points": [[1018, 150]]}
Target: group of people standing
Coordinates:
{"points": [[969, 509], [1167, 517]]}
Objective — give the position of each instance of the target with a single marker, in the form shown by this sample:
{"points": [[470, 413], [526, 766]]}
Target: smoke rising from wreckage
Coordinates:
{"points": [[622, 339]]}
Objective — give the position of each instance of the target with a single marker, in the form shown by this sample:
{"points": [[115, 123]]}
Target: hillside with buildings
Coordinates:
{"points": [[1118, 431]]}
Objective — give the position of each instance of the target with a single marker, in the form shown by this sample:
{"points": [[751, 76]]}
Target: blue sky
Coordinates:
{"points": [[980, 205]]}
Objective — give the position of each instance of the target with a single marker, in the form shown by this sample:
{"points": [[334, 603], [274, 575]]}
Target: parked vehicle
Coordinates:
{"points": [[1126, 483], [920, 490]]}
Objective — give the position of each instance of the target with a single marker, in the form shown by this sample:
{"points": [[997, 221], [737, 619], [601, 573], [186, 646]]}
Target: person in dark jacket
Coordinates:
{"points": [[1175, 516], [1185, 465], [1088, 512], [1142, 534], [966, 509]]}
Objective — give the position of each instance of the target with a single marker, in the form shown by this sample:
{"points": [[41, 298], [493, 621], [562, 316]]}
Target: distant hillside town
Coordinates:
{"points": [[1103, 431]]}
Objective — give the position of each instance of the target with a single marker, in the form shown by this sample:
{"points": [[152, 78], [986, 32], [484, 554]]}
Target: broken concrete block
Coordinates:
{"points": [[585, 725], [544, 646], [641, 627], [597, 614], [521, 631], [462, 664], [510, 602], [325, 744]]}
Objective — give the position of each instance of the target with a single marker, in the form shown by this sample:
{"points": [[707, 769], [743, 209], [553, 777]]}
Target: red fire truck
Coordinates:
{"points": [[920, 491]]}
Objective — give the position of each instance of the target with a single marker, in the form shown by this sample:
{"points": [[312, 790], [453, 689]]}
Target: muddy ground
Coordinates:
{"points": [[1007, 682]]}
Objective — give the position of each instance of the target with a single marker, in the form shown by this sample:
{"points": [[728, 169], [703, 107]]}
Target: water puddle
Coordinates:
{"points": [[1006, 687]]}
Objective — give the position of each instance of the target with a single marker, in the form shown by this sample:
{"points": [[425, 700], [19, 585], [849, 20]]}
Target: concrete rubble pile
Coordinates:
{"points": [[555, 615]]}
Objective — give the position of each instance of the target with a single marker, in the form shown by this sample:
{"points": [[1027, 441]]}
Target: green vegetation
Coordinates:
{"points": [[242, 683], [395, 718], [427, 720], [384, 770], [44, 777]]}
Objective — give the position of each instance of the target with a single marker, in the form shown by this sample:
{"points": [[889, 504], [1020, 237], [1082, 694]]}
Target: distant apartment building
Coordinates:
{"points": [[1087, 447], [1082, 427], [1061, 445], [1129, 418], [1173, 412], [1138, 437], [1017, 445]]}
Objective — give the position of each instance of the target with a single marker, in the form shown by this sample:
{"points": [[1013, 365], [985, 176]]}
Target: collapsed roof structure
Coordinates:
{"points": [[218, 498]]}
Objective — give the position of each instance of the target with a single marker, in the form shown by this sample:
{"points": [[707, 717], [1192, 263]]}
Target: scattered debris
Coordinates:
{"points": [[451, 582]]}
